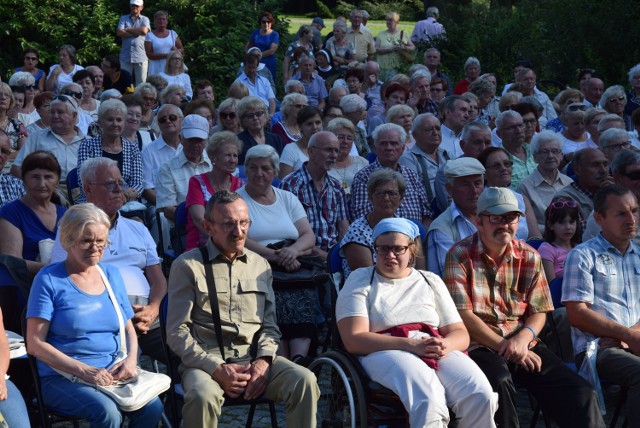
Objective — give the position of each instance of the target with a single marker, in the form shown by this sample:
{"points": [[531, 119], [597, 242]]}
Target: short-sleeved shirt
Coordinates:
{"points": [[540, 192], [133, 47], [261, 88], [160, 45], [521, 169], [315, 90], [65, 153], [275, 222], [131, 249], [389, 303], [609, 282], [181, 79], [324, 209], [501, 296], [363, 43], [173, 179], [82, 326], [293, 156], [414, 206], [556, 255], [33, 230], [346, 175], [123, 82], [153, 156], [248, 141]]}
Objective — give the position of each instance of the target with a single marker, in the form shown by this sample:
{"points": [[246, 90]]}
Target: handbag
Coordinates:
{"points": [[312, 271], [134, 393]]}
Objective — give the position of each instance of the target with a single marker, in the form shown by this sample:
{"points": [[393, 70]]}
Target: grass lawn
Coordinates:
{"points": [[375, 26]]}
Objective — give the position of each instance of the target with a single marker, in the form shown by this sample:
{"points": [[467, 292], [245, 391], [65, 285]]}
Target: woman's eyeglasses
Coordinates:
{"points": [[393, 195], [231, 115], [254, 115], [29, 87], [170, 118], [86, 244], [397, 250]]}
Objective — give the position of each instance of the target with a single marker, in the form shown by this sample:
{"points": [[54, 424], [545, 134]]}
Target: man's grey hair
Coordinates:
{"points": [[90, 166], [387, 127], [508, 114], [352, 103], [545, 136], [473, 127], [419, 68], [220, 197], [110, 94], [419, 118], [433, 12], [288, 87], [611, 135], [421, 74], [607, 120], [624, 159]]}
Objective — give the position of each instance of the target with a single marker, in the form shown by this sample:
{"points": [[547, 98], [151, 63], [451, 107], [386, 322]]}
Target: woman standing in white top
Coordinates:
{"points": [[62, 74], [160, 42], [174, 72]]}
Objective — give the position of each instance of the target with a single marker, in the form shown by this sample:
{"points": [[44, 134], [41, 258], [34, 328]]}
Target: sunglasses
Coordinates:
{"points": [[557, 205], [29, 87], [74, 94], [170, 118], [254, 115], [231, 115], [67, 99], [576, 107], [614, 99]]}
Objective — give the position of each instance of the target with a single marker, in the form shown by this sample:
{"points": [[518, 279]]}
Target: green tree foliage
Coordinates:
{"points": [[558, 37]]}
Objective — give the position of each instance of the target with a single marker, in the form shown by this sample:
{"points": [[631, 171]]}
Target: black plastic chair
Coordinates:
{"points": [[177, 235], [47, 415], [176, 391]]}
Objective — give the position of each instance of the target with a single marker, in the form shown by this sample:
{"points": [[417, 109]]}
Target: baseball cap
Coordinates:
{"points": [[195, 126], [318, 20], [137, 2], [498, 201], [463, 167]]}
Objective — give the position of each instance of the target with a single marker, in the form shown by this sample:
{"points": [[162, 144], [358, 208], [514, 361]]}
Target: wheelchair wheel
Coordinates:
{"points": [[342, 400]]}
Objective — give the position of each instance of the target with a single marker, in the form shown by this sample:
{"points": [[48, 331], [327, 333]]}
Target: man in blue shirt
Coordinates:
{"points": [[132, 29]]}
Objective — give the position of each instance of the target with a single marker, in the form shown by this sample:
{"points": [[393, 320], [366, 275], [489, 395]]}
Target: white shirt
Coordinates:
{"points": [[172, 182], [131, 250], [450, 143], [153, 155]]}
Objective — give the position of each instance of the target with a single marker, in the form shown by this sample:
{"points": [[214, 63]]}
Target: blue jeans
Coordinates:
{"points": [[13, 408], [88, 403]]}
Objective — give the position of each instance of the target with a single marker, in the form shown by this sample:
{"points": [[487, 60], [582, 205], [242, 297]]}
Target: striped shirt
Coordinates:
{"points": [[502, 296], [324, 209]]}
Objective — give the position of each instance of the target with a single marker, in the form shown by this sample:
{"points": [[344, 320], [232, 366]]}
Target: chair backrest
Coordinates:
{"points": [[535, 243], [181, 214], [555, 287], [73, 186]]}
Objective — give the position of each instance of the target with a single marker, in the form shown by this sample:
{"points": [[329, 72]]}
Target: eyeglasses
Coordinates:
{"points": [[85, 244], [620, 99], [31, 58], [547, 152], [502, 219], [74, 94], [231, 115], [112, 186], [343, 137], [29, 87], [633, 175], [576, 107], [497, 165], [228, 226], [397, 250], [254, 115], [392, 194], [170, 118], [618, 147]]}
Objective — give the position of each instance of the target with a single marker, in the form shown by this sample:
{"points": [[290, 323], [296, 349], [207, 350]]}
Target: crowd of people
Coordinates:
{"points": [[430, 188]]}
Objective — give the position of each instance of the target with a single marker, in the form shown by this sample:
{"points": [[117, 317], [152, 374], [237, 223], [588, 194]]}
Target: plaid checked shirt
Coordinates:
{"points": [[11, 188], [521, 170], [502, 296], [324, 209], [414, 206]]}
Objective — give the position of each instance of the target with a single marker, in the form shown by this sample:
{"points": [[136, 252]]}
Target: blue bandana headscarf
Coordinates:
{"points": [[399, 225]]}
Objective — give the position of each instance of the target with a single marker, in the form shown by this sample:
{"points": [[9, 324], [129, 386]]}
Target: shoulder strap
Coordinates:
{"points": [[213, 297], [426, 182], [112, 297]]}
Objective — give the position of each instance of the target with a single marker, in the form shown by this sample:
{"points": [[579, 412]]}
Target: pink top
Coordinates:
{"points": [[554, 254], [199, 193]]}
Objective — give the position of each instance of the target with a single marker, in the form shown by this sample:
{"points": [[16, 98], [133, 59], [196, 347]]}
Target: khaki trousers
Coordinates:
{"points": [[289, 382]]}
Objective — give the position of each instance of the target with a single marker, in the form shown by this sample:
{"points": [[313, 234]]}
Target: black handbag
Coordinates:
{"points": [[312, 272]]}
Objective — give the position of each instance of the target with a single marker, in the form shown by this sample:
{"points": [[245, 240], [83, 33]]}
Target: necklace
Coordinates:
{"points": [[342, 171]]}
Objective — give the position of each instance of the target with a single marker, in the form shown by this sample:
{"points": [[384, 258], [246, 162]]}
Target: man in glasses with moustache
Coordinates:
{"points": [[601, 293], [502, 295]]}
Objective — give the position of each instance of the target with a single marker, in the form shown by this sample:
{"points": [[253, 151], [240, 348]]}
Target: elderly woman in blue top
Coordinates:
{"points": [[403, 324], [72, 326]]}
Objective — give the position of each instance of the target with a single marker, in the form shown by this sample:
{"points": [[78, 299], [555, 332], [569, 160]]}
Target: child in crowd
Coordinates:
{"points": [[562, 233]]}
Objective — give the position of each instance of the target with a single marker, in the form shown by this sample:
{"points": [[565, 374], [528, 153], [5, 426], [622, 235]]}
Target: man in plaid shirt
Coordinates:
{"points": [[500, 290], [389, 140], [321, 195]]}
